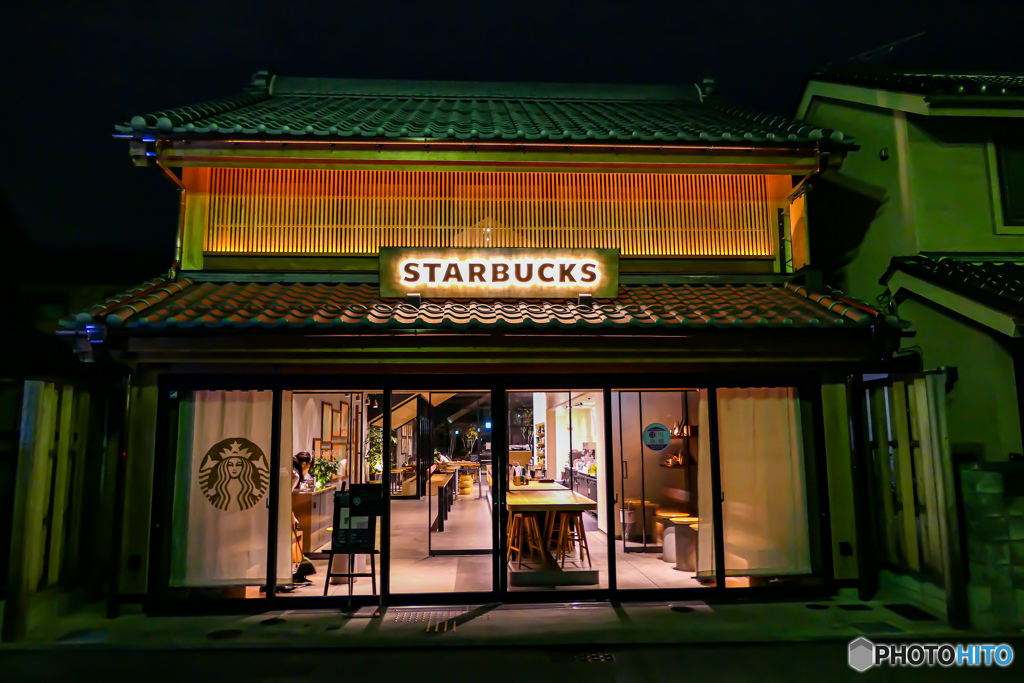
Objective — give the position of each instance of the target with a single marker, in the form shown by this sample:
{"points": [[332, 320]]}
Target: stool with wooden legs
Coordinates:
{"points": [[570, 533], [552, 528], [524, 525]]}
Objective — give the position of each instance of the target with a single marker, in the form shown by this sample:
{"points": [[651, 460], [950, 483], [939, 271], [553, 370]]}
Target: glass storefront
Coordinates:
{"points": [[543, 492]]}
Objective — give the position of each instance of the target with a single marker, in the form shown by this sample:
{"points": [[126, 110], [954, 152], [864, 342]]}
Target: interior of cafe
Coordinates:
{"points": [[442, 480]]}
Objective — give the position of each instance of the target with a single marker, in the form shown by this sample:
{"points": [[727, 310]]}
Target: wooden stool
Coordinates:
{"points": [[524, 524], [552, 528], [571, 532]]}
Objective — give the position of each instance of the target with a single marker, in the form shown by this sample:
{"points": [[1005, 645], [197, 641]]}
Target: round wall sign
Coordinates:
{"points": [[656, 436]]}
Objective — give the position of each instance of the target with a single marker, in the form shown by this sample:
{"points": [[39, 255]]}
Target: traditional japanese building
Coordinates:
{"points": [[604, 288], [931, 213]]}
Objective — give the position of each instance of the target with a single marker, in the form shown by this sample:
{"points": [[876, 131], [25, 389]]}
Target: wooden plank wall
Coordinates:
{"points": [[349, 212]]}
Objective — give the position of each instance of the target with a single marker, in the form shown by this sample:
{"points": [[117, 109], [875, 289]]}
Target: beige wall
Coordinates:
{"points": [[937, 184], [891, 233], [952, 190], [982, 413]]}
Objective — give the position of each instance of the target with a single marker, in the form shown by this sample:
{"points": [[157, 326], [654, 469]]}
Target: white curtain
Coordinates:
{"points": [[222, 483], [763, 488], [705, 516]]}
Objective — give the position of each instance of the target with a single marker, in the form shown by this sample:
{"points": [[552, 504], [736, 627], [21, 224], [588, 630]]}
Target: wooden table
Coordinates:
{"points": [[548, 501], [440, 485], [534, 504], [537, 486]]}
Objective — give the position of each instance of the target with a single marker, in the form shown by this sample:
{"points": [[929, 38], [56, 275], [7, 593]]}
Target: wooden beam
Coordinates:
{"points": [[28, 533], [61, 483], [905, 476]]}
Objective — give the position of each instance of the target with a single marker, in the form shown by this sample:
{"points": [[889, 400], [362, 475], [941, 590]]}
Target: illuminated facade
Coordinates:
{"points": [[601, 287]]}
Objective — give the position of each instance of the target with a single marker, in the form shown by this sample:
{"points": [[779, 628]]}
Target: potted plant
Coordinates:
{"points": [[323, 469]]}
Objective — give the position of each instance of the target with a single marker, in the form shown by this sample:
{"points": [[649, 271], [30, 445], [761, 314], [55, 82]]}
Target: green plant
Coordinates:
{"points": [[322, 470], [375, 449]]}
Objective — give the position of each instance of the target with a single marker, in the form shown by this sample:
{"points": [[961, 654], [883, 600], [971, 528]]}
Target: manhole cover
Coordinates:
{"points": [[682, 609], [592, 657], [581, 657], [226, 634], [272, 621]]}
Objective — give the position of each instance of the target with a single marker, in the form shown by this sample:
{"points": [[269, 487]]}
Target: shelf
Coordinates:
{"points": [[672, 467]]}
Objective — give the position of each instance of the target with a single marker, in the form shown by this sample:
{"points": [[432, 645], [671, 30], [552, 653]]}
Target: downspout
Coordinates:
{"points": [[179, 245]]}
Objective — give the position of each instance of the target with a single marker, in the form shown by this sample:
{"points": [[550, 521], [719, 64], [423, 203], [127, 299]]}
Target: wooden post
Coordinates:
{"points": [[61, 481], [79, 448], [905, 475], [38, 418]]}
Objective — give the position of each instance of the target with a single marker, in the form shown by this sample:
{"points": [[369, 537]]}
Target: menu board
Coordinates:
{"points": [[355, 518]]}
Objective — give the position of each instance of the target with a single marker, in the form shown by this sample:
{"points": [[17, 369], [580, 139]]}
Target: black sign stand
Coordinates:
{"points": [[361, 506]]}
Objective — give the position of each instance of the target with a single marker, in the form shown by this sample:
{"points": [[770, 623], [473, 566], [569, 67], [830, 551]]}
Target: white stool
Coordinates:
{"points": [[668, 544]]}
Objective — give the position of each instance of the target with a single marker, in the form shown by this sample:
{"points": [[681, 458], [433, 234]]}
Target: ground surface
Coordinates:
{"points": [[763, 663]]}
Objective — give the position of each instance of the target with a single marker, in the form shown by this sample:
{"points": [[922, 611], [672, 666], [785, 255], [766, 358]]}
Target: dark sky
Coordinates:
{"points": [[73, 69]]}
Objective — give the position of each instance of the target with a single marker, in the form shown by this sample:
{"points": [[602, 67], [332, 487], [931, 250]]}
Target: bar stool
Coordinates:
{"points": [[524, 525], [571, 531]]}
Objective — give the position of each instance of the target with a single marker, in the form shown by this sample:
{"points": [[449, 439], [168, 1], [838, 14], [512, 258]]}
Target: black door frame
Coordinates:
{"points": [[159, 599]]}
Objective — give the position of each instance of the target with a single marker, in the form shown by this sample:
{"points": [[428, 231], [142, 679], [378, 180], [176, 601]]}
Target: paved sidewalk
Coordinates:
{"points": [[497, 625]]}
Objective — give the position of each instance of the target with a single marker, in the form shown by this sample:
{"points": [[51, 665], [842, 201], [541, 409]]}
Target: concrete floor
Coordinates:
{"points": [[764, 663], [469, 527]]}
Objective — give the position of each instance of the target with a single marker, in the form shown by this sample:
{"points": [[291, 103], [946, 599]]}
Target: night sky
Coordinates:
{"points": [[72, 70]]}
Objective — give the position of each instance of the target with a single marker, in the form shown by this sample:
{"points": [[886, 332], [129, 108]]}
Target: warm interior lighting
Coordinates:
{"points": [[346, 212]]}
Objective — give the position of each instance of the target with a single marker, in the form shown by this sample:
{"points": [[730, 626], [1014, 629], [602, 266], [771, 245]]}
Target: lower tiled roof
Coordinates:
{"points": [[993, 280], [185, 304]]}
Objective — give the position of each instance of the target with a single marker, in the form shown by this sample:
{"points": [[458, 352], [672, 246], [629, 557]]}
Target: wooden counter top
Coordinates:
{"points": [[548, 501], [537, 486]]}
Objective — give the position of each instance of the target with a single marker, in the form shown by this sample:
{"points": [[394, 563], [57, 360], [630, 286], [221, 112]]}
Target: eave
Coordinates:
{"points": [[903, 284], [484, 156], [911, 103]]}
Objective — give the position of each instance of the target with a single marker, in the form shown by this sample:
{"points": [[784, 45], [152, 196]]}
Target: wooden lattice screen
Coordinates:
{"points": [[345, 212]]}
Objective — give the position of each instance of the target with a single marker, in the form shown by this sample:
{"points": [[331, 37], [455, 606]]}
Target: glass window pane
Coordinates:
{"points": [[325, 446], [664, 528], [441, 530], [556, 500]]}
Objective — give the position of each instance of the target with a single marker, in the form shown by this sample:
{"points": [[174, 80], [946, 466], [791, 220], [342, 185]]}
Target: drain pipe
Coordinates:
{"points": [[179, 244]]}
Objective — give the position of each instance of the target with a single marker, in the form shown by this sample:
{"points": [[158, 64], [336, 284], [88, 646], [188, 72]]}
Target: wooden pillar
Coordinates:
{"points": [[28, 532], [79, 462], [61, 482]]}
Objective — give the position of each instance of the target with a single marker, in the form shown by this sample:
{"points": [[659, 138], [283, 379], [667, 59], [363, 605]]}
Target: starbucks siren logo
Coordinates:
{"points": [[234, 474]]}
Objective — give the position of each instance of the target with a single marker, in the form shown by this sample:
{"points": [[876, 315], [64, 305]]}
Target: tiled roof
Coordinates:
{"points": [[996, 281], [185, 304], [933, 84], [296, 108]]}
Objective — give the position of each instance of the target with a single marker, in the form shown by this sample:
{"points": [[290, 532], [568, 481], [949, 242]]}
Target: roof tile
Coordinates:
{"points": [[209, 305], [996, 281], [375, 109]]}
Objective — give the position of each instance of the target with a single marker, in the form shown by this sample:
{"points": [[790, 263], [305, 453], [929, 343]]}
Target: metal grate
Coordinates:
{"points": [[356, 213], [424, 616]]}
